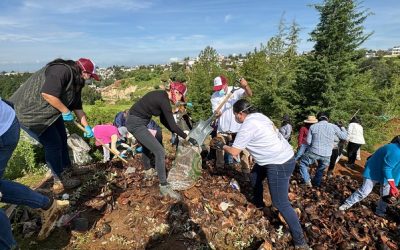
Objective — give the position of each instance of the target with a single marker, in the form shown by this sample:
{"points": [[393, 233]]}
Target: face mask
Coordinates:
{"points": [[89, 81], [222, 92]]}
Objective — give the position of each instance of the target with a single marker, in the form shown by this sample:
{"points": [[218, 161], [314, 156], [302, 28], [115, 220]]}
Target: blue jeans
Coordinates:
{"points": [[365, 190], [13, 192], [301, 151], [54, 141], [7, 240], [278, 176], [309, 158]]}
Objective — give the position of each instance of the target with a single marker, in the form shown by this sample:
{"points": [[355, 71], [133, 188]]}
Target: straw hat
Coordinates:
{"points": [[311, 119]]}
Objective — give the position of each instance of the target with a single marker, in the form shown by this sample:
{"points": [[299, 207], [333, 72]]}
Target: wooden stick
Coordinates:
{"points": [[102, 144]]}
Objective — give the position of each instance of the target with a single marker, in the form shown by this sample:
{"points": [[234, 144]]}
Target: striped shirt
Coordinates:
{"points": [[321, 137]]}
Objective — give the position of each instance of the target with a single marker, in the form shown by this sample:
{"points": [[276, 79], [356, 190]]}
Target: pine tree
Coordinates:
{"points": [[271, 72], [326, 74], [200, 82]]}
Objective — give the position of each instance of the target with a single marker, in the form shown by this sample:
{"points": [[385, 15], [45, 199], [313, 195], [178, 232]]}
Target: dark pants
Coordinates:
{"points": [[334, 156], [352, 149], [278, 176], [148, 157], [54, 141], [336, 152], [138, 127]]}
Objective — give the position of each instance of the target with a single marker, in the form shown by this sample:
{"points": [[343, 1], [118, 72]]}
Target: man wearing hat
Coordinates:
{"points": [[45, 101], [320, 139], [227, 125], [302, 139]]}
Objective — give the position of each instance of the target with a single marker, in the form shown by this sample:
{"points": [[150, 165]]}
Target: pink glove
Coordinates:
{"points": [[393, 189]]}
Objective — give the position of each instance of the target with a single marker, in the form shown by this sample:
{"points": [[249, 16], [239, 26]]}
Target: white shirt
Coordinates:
{"points": [[7, 115], [263, 141], [226, 122], [356, 133]]}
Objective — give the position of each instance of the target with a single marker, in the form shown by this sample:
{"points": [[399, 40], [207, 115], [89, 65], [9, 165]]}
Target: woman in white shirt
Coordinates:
{"points": [[274, 159], [356, 139]]}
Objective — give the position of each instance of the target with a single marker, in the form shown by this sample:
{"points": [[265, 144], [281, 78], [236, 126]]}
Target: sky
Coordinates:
{"points": [[136, 32]]}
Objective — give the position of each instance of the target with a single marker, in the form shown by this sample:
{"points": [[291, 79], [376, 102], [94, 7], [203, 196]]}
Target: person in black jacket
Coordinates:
{"points": [[157, 103], [44, 102]]}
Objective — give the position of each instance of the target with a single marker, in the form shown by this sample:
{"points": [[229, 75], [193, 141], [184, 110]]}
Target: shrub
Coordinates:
{"points": [[26, 158]]}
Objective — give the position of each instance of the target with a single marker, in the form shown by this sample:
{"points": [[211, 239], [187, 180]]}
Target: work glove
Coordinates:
{"points": [[88, 132], [139, 149], [193, 141], [122, 155], [217, 143], [393, 189], [189, 105], [68, 116]]}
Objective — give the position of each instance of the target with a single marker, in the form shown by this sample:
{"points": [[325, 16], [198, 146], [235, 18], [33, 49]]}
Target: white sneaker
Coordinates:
{"points": [[344, 207]]}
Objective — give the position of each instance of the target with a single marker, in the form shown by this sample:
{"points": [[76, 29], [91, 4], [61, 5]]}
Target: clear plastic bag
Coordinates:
{"points": [[79, 150], [186, 168]]}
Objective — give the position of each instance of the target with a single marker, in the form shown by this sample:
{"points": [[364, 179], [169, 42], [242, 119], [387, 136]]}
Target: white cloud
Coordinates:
{"points": [[227, 18], [174, 59], [140, 27]]}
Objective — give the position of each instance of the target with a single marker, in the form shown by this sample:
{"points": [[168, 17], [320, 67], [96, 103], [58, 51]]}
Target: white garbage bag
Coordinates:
{"points": [[79, 150]]}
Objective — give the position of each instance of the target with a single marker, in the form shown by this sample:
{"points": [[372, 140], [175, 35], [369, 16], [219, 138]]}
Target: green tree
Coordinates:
{"points": [[271, 71], [200, 82], [329, 68]]}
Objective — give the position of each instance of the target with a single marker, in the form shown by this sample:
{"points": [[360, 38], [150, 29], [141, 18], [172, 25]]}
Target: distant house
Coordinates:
{"points": [[396, 51], [370, 53]]}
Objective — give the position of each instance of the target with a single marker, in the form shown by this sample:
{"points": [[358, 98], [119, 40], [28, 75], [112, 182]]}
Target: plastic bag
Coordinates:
{"points": [[80, 150], [186, 168]]}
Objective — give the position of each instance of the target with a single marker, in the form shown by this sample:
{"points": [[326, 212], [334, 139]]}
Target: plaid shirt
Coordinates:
{"points": [[321, 137]]}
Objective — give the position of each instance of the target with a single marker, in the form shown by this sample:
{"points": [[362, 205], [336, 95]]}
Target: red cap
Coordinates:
{"points": [[219, 83], [88, 66], [179, 86]]}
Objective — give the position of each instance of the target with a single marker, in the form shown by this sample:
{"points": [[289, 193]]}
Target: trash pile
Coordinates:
{"points": [[118, 208]]}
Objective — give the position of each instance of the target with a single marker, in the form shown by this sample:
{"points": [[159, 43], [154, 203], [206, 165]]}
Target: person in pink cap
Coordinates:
{"points": [[227, 126], [157, 103], [45, 101]]}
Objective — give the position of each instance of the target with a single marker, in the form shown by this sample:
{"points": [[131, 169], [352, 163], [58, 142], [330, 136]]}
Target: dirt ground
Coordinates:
{"points": [[118, 208]]}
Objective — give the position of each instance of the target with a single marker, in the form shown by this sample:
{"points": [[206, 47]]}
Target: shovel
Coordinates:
{"points": [[203, 128], [102, 144]]}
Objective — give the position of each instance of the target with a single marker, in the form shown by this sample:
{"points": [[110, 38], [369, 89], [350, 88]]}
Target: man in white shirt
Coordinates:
{"points": [[227, 126]]}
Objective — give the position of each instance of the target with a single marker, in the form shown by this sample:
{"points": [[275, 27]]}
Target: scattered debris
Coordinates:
{"points": [[126, 211]]}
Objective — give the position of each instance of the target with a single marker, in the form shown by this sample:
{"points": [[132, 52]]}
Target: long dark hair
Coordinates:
{"points": [[244, 106], [76, 71], [355, 119]]}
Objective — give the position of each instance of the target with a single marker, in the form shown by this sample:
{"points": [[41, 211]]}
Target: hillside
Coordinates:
{"points": [[127, 89]]}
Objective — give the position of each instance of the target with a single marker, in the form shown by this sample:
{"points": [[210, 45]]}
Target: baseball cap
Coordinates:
{"points": [[88, 66], [219, 83]]}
